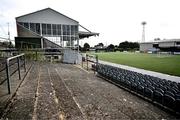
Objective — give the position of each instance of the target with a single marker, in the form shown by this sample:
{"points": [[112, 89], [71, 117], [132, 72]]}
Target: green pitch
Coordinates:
{"points": [[168, 64]]}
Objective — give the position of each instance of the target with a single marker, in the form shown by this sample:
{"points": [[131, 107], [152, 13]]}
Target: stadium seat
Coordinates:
{"points": [[168, 101], [162, 91], [169, 93], [177, 105], [134, 86], [177, 95], [140, 89], [157, 96], [148, 92], [127, 84]]}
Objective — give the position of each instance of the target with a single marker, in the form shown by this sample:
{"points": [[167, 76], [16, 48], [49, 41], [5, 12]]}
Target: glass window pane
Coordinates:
{"points": [[44, 29], [26, 25], [32, 27], [76, 30], [54, 29], [68, 29], [72, 30], [49, 29], [59, 29], [64, 38], [64, 29], [37, 27]]}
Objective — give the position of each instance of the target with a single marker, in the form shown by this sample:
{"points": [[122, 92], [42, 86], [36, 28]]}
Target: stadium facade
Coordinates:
{"points": [[48, 28]]}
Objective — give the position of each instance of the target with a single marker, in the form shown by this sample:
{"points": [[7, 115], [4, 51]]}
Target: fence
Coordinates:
{"points": [[35, 54], [15, 62], [90, 59]]}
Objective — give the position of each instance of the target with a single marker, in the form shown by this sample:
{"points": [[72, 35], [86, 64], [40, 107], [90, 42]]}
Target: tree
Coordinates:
{"points": [[110, 47], [99, 45], [86, 46], [128, 45], [124, 45]]}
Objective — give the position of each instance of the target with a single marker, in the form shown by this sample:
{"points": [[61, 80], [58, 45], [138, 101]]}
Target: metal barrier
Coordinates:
{"points": [[17, 60], [91, 59]]}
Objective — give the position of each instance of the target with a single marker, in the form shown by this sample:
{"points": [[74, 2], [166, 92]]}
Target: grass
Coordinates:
{"points": [[168, 64]]}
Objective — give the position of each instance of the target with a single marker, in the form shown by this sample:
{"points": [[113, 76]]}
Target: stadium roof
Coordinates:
{"points": [[164, 40], [44, 10], [83, 34]]}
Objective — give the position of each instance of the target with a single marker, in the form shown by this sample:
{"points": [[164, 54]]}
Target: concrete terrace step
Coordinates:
{"points": [[43, 95]]}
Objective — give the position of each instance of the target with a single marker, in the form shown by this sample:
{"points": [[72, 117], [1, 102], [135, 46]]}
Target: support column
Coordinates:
{"points": [[42, 43], [78, 43]]}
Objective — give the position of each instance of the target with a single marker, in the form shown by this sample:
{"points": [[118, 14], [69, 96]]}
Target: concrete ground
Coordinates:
{"points": [[64, 91]]}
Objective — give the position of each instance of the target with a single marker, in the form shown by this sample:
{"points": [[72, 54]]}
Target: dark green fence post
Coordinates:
{"points": [[8, 76], [87, 61], [18, 61]]}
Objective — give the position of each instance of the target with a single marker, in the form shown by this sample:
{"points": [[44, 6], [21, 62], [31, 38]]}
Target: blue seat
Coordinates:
{"points": [[148, 92], [169, 101], [160, 90], [134, 86], [177, 105], [140, 89], [127, 84], [158, 96], [177, 95], [169, 93]]}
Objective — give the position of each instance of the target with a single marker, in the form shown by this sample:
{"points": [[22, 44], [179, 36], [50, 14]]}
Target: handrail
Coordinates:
{"points": [[8, 66], [95, 61]]}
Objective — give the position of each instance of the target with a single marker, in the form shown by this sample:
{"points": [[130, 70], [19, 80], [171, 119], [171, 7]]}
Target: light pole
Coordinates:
{"points": [[143, 32]]}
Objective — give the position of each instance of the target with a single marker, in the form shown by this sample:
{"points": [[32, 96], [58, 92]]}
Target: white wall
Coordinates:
{"points": [[145, 46]]}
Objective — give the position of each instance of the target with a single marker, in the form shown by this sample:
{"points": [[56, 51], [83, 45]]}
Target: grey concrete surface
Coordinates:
{"points": [[65, 91], [14, 84]]}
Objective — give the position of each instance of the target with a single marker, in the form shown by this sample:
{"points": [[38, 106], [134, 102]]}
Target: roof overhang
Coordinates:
{"points": [[83, 34]]}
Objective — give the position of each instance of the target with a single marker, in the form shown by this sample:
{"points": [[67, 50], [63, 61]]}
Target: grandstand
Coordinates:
{"points": [[48, 28], [166, 45]]}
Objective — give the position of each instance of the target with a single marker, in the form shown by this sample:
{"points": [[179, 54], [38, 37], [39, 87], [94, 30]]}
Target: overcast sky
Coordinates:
{"points": [[115, 20]]}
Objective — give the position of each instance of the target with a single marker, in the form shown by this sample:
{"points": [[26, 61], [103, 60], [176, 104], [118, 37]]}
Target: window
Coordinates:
{"points": [[73, 38], [68, 29], [64, 38], [76, 30], [49, 29], [177, 43], [72, 30], [32, 27], [64, 30], [44, 29], [26, 25], [155, 45], [54, 29], [59, 29], [37, 25]]}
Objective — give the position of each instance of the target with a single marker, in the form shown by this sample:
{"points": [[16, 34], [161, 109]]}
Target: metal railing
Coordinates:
{"points": [[17, 62], [91, 59]]}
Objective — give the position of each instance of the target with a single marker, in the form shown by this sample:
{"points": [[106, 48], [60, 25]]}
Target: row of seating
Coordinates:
{"points": [[161, 91]]}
